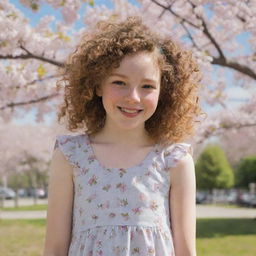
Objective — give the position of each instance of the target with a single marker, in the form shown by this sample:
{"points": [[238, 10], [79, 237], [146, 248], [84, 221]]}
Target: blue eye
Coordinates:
{"points": [[119, 82], [148, 86]]}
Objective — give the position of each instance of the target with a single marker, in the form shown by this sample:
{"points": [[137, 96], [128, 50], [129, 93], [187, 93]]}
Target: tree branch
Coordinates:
{"points": [[236, 66], [16, 104], [30, 55], [214, 132], [221, 60], [32, 82], [208, 34]]}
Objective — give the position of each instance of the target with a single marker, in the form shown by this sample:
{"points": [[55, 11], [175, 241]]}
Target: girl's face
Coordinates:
{"points": [[130, 93]]}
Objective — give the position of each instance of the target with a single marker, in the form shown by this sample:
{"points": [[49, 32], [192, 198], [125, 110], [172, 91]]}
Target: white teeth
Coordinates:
{"points": [[129, 111]]}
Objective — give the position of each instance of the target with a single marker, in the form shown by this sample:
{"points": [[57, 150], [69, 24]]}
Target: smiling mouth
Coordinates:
{"points": [[130, 110]]}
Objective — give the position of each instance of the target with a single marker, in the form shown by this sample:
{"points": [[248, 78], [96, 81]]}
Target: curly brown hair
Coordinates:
{"points": [[100, 52]]}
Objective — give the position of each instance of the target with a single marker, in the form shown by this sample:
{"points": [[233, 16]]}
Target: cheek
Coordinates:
{"points": [[152, 100], [110, 96]]}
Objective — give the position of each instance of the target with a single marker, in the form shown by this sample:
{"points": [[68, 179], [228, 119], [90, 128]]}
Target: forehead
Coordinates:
{"points": [[142, 63]]}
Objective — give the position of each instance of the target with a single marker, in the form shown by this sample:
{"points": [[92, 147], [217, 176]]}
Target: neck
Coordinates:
{"points": [[115, 135]]}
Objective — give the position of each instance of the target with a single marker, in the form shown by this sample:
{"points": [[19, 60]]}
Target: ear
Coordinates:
{"points": [[98, 91]]}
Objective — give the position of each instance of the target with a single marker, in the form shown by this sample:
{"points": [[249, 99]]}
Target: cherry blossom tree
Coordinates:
{"points": [[31, 55]]}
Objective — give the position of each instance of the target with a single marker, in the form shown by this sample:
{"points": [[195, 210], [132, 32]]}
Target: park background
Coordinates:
{"points": [[35, 39]]}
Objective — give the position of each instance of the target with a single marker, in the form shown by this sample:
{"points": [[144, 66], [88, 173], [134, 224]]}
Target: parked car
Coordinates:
{"points": [[200, 197], [7, 193], [245, 199], [22, 192], [37, 192]]}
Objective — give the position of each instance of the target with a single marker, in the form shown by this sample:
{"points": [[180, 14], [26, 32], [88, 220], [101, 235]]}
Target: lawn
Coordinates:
{"points": [[215, 237], [37, 207], [226, 237]]}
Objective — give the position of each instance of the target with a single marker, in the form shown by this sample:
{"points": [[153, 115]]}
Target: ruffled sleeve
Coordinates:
{"points": [[175, 152], [68, 146]]}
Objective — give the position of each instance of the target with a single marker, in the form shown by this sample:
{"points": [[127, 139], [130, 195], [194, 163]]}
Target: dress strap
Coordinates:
{"points": [[175, 152], [67, 144]]}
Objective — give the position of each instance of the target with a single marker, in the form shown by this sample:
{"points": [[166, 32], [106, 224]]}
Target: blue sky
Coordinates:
{"points": [[237, 95]]}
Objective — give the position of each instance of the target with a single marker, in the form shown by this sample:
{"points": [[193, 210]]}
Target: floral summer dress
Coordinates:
{"points": [[118, 211]]}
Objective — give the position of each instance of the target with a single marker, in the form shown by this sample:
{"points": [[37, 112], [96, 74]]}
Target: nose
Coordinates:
{"points": [[133, 95]]}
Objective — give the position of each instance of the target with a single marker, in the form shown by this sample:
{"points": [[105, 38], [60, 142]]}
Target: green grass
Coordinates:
{"points": [[38, 207], [215, 237], [22, 237], [226, 237], [226, 205]]}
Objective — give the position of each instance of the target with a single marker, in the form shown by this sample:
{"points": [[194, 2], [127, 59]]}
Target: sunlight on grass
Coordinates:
{"points": [[215, 237], [38, 207], [22, 237]]}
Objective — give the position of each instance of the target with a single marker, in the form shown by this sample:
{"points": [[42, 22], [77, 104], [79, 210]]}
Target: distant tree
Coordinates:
{"points": [[213, 169], [246, 172]]}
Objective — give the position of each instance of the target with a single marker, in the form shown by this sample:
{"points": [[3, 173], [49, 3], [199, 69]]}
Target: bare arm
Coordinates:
{"points": [[60, 203], [183, 207]]}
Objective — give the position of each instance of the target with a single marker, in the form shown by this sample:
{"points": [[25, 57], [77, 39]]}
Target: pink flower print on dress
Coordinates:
{"points": [[85, 150], [166, 153], [122, 172], [90, 253], [125, 215], [90, 198], [112, 215], [118, 251], [91, 159], [151, 251], [122, 202], [99, 253], [84, 171], [157, 186], [104, 205], [137, 210], [77, 164], [148, 173], [99, 244], [82, 248], [142, 197], [158, 221], [121, 187], [153, 205], [136, 251], [92, 180], [92, 237], [123, 228], [107, 187], [95, 217], [65, 141]]}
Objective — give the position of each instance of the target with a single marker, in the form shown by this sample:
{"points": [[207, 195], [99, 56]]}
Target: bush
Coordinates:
{"points": [[213, 169], [246, 172]]}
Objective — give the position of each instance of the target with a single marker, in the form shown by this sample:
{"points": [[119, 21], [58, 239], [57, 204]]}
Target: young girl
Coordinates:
{"points": [[126, 185]]}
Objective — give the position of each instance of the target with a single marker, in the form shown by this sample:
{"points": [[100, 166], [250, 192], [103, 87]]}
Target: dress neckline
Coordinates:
{"points": [[151, 153]]}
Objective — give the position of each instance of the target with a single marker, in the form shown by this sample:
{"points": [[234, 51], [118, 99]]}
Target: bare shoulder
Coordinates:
{"points": [[183, 171], [59, 163]]}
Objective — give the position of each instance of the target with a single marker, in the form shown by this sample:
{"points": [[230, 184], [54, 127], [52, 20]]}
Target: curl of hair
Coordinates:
{"points": [[100, 52]]}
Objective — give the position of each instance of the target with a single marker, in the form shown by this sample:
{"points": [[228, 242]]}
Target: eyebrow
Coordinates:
{"points": [[124, 76]]}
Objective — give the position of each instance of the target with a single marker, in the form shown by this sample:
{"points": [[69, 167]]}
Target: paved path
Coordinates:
{"points": [[211, 211], [203, 211]]}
